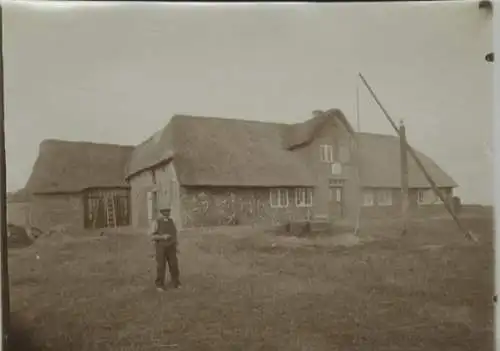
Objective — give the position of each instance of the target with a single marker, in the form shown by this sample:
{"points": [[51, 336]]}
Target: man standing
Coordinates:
{"points": [[164, 234]]}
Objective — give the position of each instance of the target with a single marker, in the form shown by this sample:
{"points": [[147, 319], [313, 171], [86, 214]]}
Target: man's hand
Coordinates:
{"points": [[161, 237]]}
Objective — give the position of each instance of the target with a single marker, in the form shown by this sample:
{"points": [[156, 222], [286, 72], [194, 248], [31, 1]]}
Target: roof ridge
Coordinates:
{"points": [[63, 141], [226, 119], [382, 135]]}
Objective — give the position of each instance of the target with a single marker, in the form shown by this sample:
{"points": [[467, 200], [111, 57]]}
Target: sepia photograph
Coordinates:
{"points": [[253, 176]]}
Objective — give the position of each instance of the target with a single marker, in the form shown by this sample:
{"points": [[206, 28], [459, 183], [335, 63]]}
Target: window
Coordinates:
{"points": [[303, 197], [435, 197], [368, 198], [437, 200], [384, 197], [338, 194], [344, 154], [283, 197], [420, 196], [326, 154], [336, 168], [428, 197], [279, 198]]}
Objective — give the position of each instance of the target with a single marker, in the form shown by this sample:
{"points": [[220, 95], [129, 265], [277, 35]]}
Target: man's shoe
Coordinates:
{"points": [[175, 285]]}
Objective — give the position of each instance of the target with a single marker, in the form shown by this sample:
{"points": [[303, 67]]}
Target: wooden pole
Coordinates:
{"points": [[405, 202], [5, 319], [358, 162], [412, 153]]}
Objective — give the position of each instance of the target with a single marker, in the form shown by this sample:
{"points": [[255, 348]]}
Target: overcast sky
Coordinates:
{"points": [[116, 74]]}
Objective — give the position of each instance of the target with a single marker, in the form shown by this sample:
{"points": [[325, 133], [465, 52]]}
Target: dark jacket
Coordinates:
{"points": [[166, 226]]}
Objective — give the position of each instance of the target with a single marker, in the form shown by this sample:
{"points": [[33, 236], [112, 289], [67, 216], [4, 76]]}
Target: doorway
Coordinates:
{"points": [[152, 205], [336, 199], [96, 207]]}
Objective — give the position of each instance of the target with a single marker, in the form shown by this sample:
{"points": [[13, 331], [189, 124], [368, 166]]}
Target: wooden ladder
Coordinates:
{"points": [[110, 211]]}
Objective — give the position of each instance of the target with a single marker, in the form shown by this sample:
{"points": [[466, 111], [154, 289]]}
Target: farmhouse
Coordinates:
{"points": [[215, 171], [74, 184]]}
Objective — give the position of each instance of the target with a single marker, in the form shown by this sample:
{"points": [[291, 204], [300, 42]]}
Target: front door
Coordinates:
{"points": [[335, 202]]}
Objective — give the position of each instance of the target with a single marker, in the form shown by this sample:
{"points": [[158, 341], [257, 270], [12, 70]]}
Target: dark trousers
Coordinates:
{"points": [[166, 254]]}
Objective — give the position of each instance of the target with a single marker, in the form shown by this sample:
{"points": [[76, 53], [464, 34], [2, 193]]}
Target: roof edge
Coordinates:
{"points": [[200, 185], [62, 141], [79, 190], [162, 162]]}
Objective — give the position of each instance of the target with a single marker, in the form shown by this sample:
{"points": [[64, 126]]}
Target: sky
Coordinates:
{"points": [[117, 73]]}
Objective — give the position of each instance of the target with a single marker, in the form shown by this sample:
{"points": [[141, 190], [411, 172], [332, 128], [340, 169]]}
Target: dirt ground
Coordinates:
{"points": [[249, 290]]}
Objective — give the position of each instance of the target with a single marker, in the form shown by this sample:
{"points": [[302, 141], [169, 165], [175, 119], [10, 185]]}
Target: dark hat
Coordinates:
{"points": [[165, 209]]}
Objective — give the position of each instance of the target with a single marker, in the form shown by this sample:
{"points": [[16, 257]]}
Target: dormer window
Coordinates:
{"points": [[326, 153]]}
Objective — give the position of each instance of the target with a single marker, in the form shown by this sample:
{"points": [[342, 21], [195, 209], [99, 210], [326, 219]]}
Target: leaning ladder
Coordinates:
{"points": [[110, 211]]}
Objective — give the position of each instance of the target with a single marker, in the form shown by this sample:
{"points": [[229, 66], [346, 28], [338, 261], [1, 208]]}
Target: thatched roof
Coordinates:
{"points": [[154, 151], [229, 152], [223, 152], [380, 164], [301, 134], [67, 166]]}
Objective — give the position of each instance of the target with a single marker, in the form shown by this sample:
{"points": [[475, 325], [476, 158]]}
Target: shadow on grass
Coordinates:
{"points": [[21, 337]]}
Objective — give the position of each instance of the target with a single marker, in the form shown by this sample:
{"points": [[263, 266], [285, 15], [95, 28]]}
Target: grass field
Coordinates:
{"points": [[247, 290]]}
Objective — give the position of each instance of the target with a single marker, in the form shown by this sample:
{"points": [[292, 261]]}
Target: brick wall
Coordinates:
{"points": [[216, 206], [332, 134]]}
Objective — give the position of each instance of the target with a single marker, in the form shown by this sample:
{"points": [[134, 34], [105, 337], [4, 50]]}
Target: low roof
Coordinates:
{"points": [[233, 152], [70, 166], [380, 164]]}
